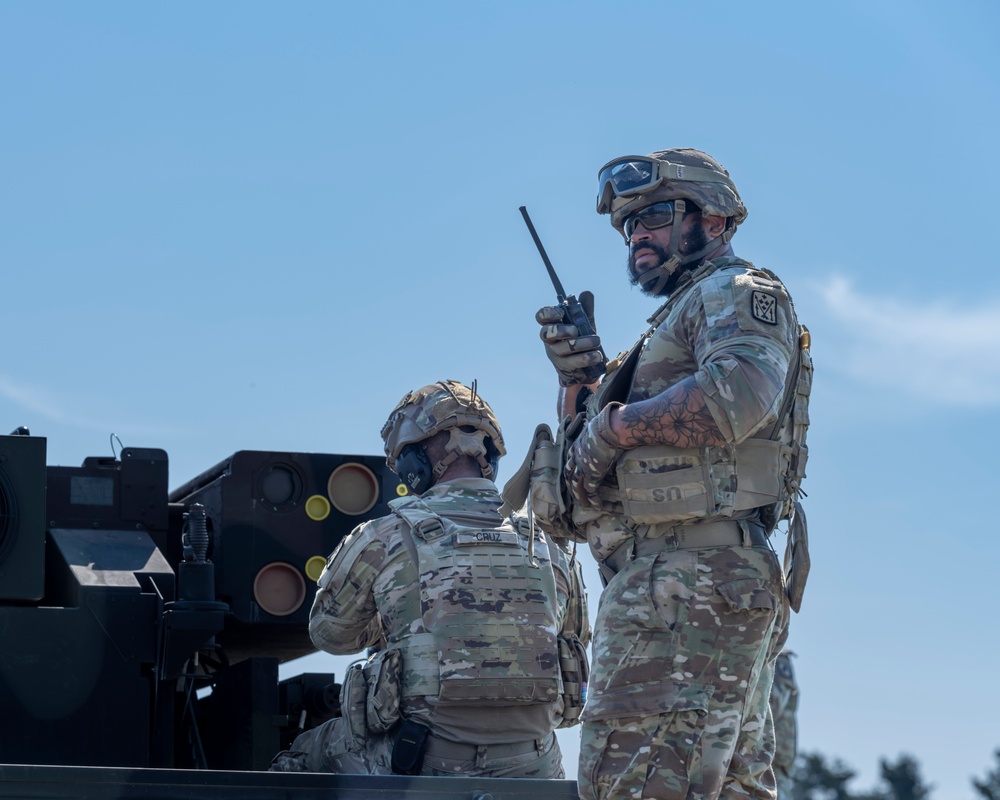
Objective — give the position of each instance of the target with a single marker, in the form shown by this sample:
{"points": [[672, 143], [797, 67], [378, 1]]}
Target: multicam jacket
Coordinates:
{"points": [[733, 329]]}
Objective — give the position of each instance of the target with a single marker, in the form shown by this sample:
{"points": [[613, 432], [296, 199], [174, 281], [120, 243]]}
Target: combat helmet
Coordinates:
{"points": [[442, 406], [630, 183]]}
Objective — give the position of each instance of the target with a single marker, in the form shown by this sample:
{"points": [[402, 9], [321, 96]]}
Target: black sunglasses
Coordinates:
{"points": [[658, 215]]}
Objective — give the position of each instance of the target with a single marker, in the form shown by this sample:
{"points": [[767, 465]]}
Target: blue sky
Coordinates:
{"points": [[250, 225]]}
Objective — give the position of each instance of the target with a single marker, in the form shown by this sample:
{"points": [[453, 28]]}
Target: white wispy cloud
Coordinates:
{"points": [[40, 402], [942, 351]]}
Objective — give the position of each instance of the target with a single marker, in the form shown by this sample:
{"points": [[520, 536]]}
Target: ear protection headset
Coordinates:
{"points": [[414, 468]]}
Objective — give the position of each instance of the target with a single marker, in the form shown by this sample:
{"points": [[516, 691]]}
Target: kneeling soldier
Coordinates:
{"points": [[480, 631]]}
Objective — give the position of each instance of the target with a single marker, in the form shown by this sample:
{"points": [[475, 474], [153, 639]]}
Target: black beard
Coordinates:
{"points": [[633, 277], [694, 241]]}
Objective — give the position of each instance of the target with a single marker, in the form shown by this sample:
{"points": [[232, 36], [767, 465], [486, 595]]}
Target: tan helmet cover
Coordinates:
{"points": [[441, 406], [716, 198]]}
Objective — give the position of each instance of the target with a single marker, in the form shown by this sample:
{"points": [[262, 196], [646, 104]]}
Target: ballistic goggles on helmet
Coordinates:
{"points": [[658, 215], [635, 175]]}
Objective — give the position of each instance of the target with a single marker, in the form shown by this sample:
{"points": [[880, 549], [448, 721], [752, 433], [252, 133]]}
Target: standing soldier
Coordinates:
{"points": [[478, 625], [784, 705], [679, 464]]}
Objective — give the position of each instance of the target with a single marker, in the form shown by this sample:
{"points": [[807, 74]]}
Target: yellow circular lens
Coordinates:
{"points": [[401, 490], [315, 567], [317, 508]]}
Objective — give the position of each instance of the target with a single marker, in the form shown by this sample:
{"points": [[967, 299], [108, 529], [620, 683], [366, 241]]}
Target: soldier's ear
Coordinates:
{"points": [[714, 225]]}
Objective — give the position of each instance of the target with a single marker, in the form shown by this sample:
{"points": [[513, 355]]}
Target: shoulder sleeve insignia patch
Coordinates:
{"points": [[764, 307]]}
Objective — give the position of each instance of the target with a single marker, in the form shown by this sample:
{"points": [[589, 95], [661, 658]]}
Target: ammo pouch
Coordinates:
{"points": [[797, 558], [659, 483], [353, 699], [383, 678], [369, 697], [539, 481], [575, 676]]}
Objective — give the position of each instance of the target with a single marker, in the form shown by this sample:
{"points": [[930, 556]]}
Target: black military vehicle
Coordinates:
{"points": [[141, 629]]}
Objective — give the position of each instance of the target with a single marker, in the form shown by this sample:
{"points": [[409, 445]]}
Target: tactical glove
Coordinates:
{"points": [[569, 352], [592, 457]]}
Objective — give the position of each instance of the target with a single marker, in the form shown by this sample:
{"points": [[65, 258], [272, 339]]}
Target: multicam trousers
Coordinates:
{"points": [[684, 648], [330, 748]]}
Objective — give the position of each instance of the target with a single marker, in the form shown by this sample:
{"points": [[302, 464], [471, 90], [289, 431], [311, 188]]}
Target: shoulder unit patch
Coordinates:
{"points": [[764, 307]]}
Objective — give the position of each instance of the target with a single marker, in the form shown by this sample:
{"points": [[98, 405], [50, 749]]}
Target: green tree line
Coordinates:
{"points": [[816, 778]]}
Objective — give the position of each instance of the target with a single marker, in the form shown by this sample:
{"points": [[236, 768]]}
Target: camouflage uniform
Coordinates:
{"points": [[784, 704], [686, 635], [373, 594]]}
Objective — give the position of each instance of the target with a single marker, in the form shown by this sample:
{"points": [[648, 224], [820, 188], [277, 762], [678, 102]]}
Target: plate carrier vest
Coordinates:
{"points": [[487, 632]]}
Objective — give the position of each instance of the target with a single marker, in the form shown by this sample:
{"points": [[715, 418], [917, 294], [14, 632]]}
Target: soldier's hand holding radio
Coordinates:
{"points": [[576, 355]]}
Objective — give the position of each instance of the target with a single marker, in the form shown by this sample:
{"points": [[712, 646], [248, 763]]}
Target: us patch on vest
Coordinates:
{"points": [[509, 538], [764, 307]]}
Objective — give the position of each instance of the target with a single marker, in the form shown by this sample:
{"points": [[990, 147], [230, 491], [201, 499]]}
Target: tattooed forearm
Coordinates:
{"points": [[677, 416]]}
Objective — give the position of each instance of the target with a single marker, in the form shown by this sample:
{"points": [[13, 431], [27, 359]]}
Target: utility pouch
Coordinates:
{"points": [[408, 749], [539, 481], [547, 500], [575, 672], [515, 491], [383, 676], [353, 698], [797, 558], [659, 483]]}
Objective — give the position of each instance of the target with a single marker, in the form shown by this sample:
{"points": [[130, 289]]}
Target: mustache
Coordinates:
{"points": [[659, 250], [653, 246]]}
